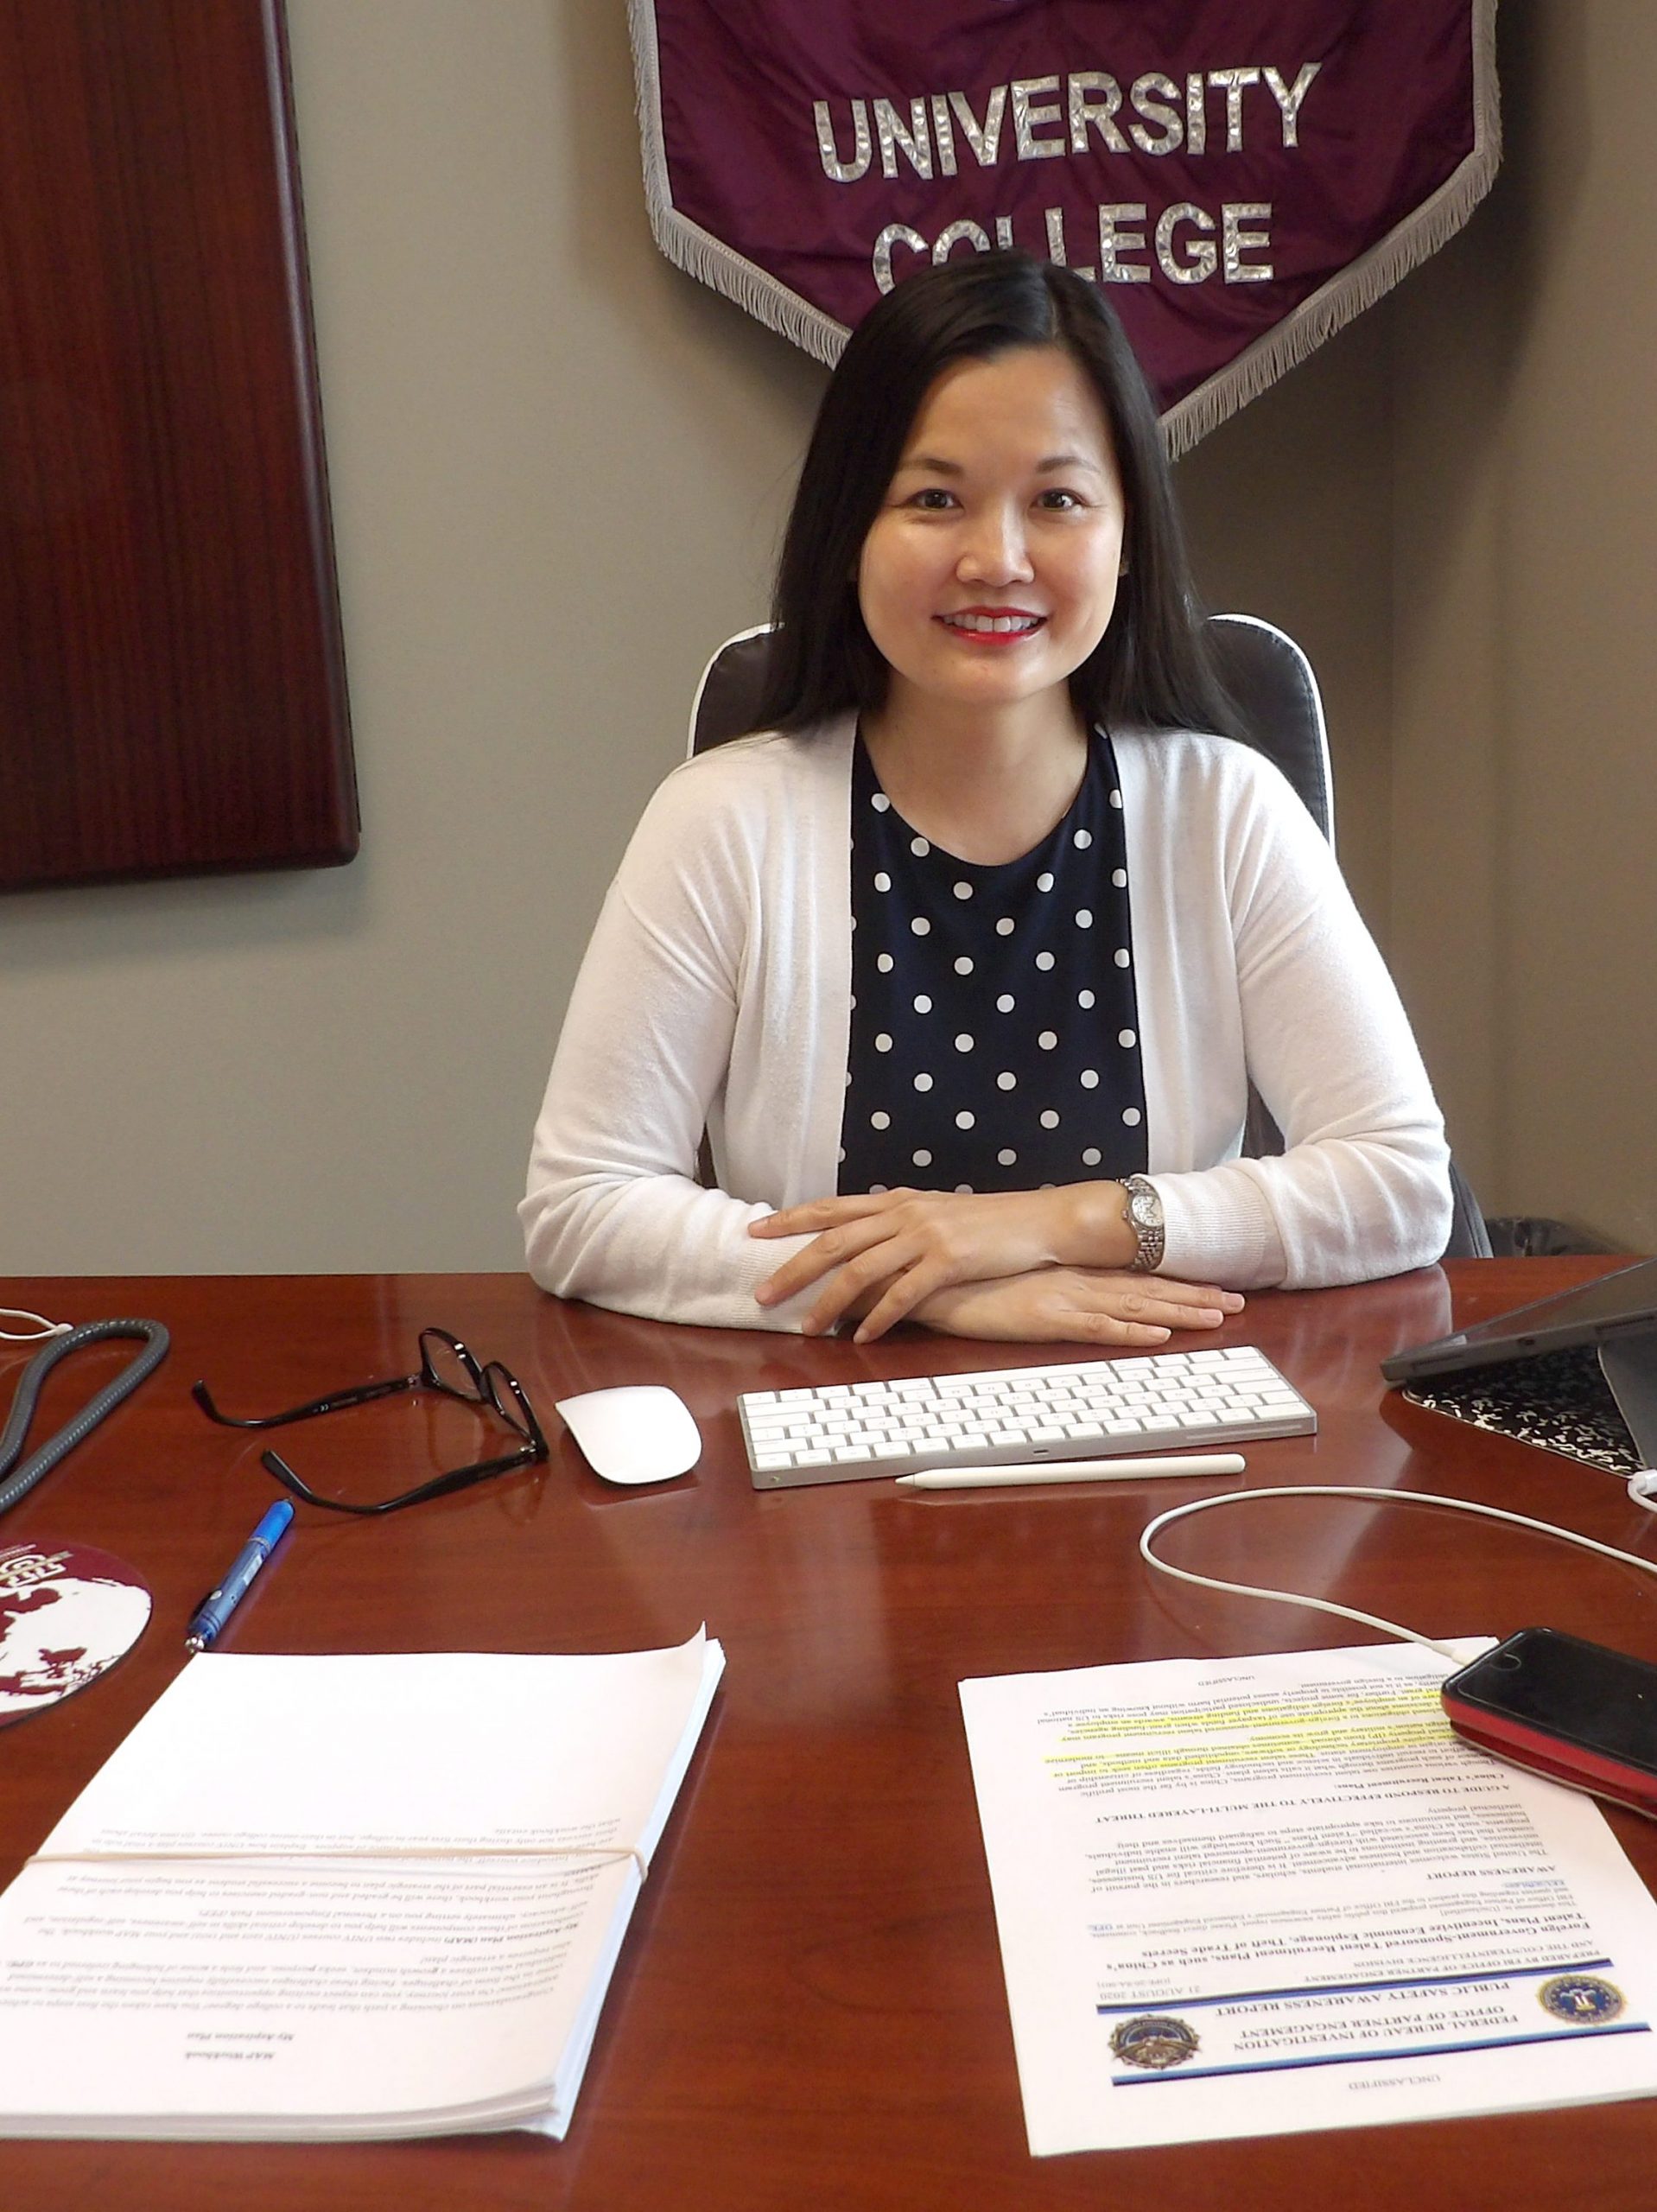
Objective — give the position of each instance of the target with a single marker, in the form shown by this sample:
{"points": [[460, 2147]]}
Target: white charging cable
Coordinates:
{"points": [[42, 1327], [1386, 1497]]}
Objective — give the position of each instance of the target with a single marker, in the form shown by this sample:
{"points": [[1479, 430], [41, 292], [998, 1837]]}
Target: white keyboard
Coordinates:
{"points": [[846, 1431]]}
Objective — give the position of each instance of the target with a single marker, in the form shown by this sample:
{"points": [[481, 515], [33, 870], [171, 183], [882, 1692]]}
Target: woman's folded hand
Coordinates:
{"points": [[1092, 1305], [885, 1254]]}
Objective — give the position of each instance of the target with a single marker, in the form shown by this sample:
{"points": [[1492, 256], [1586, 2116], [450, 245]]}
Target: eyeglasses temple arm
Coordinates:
{"points": [[360, 1396]]}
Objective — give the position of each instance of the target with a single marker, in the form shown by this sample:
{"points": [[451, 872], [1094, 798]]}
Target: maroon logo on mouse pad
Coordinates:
{"points": [[66, 1612]]}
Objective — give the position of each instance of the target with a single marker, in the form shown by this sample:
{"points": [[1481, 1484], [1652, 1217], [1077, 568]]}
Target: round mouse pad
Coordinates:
{"points": [[66, 1612]]}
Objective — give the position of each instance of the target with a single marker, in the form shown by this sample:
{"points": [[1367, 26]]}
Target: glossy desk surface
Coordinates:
{"points": [[809, 2010]]}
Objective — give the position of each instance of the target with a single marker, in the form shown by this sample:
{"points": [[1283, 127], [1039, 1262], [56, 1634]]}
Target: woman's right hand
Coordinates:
{"points": [[1075, 1305]]}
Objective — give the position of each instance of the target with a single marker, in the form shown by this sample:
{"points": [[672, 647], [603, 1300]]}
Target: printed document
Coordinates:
{"points": [[318, 1898], [1253, 1896]]}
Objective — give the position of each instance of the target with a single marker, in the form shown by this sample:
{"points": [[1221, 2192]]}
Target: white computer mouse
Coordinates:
{"points": [[642, 1432]]}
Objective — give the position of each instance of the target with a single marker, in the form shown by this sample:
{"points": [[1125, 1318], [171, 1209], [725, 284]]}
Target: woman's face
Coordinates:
{"points": [[990, 572]]}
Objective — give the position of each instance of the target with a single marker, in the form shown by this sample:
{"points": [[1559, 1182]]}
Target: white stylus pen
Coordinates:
{"points": [[1074, 1470]]}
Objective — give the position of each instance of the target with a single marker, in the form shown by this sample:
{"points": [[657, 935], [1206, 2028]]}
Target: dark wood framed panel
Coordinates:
{"points": [[172, 680]]}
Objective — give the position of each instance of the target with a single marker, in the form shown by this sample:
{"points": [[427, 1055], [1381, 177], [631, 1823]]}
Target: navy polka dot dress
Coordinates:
{"points": [[995, 1033]]}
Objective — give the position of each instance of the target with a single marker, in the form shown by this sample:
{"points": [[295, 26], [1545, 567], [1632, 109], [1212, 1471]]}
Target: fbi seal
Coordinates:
{"points": [[1582, 1999], [1154, 2041]]}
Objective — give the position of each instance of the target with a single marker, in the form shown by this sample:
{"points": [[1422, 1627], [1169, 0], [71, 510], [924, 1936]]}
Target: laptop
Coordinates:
{"points": [[1615, 1316]]}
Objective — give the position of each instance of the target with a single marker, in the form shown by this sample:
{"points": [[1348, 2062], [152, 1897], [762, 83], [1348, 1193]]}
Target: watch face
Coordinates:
{"points": [[1143, 1210]]}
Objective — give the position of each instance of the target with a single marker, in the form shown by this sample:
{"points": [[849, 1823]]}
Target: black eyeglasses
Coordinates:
{"points": [[447, 1366]]}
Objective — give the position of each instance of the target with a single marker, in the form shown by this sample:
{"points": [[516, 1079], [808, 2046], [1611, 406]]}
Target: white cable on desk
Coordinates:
{"points": [[42, 1327], [1386, 1497]]}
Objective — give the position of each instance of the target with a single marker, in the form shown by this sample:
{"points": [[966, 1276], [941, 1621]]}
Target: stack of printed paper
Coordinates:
{"points": [[1248, 1896], [320, 1898]]}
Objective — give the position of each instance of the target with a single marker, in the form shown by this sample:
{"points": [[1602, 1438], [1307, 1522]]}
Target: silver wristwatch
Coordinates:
{"points": [[1143, 1214]]}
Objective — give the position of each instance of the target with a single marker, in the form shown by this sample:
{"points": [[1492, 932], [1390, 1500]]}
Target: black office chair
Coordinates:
{"points": [[1277, 708]]}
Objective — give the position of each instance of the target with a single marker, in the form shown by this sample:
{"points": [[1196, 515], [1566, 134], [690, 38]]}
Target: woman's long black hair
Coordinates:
{"points": [[1150, 668]]}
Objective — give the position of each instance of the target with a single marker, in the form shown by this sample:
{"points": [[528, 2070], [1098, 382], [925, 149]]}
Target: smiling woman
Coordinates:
{"points": [[966, 961]]}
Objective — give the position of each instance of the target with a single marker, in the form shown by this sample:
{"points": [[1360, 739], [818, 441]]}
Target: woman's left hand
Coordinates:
{"points": [[890, 1249]]}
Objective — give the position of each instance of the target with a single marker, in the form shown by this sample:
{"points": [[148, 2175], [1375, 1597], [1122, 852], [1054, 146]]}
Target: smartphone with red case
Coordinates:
{"points": [[1570, 1710]]}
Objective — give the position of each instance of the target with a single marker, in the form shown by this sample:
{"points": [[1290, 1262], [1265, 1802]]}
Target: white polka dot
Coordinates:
{"points": [[1006, 1003], [963, 966], [922, 1083], [848, 1078], [1084, 998], [1090, 1078], [919, 847], [1083, 838], [1049, 1120], [879, 1121], [882, 881], [1006, 1080], [876, 1190], [879, 802], [923, 1157], [883, 1043], [854, 921], [1115, 799], [1121, 956], [1131, 1116], [1084, 917], [1043, 960], [921, 926], [1126, 1039], [923, 1004], [963, 891], [840, 1155], [854, 1001], [1004, 927], [963, 1119], [1118, 877], [1050, 1186], [1091, 1157], [1044, 881], [963, 1043], [883, 961], [1047, 1040], [963, 1190], [1008, 1159]]}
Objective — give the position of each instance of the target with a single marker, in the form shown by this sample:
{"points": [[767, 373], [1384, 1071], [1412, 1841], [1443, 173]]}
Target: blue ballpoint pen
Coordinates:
{"points": [[219, 1604]]}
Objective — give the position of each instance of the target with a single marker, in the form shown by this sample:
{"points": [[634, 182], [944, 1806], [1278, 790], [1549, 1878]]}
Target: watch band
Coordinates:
{"points": [[1142, 1212]]}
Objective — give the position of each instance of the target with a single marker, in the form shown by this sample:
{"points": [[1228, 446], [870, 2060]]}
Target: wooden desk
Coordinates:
{"points": [[810, 2010]]}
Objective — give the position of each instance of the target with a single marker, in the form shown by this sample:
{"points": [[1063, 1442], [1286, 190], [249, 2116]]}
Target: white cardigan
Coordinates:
{"points": [[716, 992]]}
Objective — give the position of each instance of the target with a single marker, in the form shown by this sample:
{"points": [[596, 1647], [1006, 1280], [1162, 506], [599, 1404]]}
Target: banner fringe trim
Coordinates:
{"points": [[1364, 281], [697, 251]]}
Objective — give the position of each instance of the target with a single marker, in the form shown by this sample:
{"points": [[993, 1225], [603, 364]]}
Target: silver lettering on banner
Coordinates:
{"points": [[1234, 83], [1056, 243], [1235, 241], [1114, 241], [943, 134], [1029, 114], [1197, 113], [1084, 110], [837, 171], [953, 233], [890, 237], [1156, 111], [913, 138], [1201, 258], [1290, 100], [984, 139]]}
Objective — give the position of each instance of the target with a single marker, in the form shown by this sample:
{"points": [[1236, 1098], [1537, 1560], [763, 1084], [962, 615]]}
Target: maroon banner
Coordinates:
{"points": [[1244, 175]]}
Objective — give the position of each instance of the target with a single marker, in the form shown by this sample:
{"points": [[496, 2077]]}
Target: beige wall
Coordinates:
{"points": [[1524, 836], [557, 470]]}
